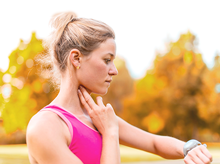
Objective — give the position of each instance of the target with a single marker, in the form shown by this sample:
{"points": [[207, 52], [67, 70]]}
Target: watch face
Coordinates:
{"points": [[189, 145]]}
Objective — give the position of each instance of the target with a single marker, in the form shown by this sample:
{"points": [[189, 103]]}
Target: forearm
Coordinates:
{"points": [[110, 150], [168, 147]]}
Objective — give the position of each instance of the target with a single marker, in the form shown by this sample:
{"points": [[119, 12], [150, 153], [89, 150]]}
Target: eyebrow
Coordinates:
{"points": [[111, 54]]}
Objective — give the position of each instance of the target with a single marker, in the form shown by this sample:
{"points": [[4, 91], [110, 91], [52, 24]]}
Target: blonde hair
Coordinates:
{"points": [[71, 32]]}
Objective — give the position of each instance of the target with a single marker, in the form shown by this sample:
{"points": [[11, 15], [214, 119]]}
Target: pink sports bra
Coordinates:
{"points": [[86, 142]]}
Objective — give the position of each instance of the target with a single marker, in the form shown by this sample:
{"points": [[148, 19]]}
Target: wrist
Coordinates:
{"points": [[110, 135], [113, 132], [189, 145]]}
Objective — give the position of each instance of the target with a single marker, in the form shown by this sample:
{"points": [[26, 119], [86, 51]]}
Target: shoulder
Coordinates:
{"points": [[41, 121], [43, 126], [46, 140]]}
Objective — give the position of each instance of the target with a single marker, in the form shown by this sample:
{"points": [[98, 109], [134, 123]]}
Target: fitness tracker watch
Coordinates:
{"points": [[189, 145]]}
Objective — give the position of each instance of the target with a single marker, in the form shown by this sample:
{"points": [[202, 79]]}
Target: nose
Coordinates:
{"points": [[113, 70]]}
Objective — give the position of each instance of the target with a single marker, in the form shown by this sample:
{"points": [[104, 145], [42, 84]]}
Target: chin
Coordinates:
{"points": [[98, 91], [102, 93]]}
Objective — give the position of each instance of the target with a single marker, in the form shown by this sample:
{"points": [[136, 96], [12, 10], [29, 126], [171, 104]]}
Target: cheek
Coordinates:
{"points": [[101, 69], [98, 70], [93, 77], [94, 73]]}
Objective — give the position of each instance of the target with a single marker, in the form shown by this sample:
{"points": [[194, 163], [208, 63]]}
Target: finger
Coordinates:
{"points": [[196, 160], [193, 156], [99, 101], [83, 101], [110, 106], [88, 98], [203, 158], [206, 152], [188, 160]]}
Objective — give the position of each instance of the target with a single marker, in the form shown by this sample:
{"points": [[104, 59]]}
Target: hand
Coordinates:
{"points": [[103, 117], [198, 155]]}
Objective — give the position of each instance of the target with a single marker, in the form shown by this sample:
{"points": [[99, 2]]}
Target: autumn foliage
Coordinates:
{"points": [[178, 96], [24, 92]]}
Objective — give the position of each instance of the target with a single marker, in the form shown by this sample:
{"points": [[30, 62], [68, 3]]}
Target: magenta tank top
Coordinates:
{"points": [[86, 142]]}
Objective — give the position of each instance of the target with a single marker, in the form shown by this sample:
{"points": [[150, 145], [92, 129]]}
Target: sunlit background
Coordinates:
{"points": [[142, 27], [168, 63]]}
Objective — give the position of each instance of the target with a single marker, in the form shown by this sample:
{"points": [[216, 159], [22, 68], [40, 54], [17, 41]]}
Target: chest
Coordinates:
{"points": [[86, 143]]}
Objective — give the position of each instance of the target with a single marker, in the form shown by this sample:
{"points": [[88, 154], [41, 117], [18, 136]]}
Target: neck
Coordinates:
{"points": [[68, 96]]}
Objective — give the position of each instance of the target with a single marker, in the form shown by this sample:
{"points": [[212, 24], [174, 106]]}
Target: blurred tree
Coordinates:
{"points": [[23, 90], [179, 96], [121, 86], [1, 96], [166, 99], [1, 76], [209, 108]]}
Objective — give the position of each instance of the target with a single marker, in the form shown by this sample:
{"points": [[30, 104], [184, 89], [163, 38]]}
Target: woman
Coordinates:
{"points": [[73, 128]]}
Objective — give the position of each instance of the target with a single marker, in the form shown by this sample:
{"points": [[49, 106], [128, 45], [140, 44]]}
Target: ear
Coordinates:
{"points": [[75, 58]]}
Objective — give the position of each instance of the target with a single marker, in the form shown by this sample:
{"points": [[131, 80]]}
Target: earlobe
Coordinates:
{"points": [[75, 58]]}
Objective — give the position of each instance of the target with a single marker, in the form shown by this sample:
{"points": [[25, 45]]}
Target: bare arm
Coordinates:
{"points": [[164, 146], [110, 150], [46, 141], [149, 142]]}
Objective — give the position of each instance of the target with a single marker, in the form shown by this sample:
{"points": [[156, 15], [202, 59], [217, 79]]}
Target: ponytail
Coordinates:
{"points": [[70, 32], [58, 22]]}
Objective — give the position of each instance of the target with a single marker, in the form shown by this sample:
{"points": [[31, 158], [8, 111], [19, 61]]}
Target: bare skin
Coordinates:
{"points": [[164, 146], [95, 74]]}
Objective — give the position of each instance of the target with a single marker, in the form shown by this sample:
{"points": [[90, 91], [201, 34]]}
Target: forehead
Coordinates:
{"points": [[105, 48]]}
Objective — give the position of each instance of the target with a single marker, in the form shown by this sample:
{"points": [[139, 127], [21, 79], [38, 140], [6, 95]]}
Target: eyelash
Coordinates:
{"points": [[107, 61]]}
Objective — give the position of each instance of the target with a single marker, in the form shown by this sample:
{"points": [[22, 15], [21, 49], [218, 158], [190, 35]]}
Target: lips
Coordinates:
{"points": [[109, 81]]}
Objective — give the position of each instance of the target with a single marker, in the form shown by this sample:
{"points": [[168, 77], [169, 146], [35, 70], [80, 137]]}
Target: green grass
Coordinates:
{"points": [[18, 154]]}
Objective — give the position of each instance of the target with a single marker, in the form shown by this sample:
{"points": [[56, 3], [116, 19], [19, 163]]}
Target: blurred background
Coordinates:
{"points": [[167, 59]]}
